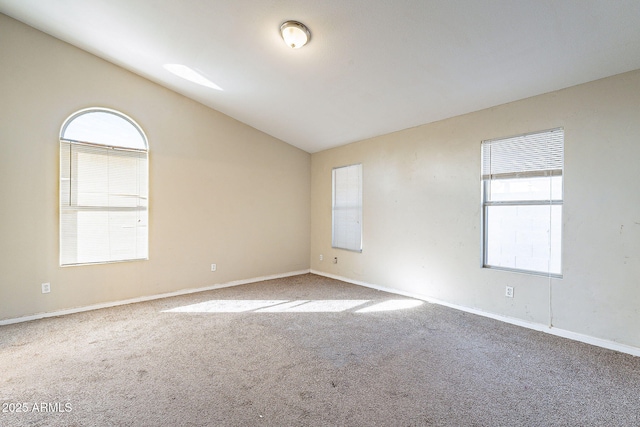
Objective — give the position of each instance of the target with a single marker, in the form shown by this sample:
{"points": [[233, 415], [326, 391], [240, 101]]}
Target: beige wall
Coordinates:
{"points": [[421, 213], [220, 191]]}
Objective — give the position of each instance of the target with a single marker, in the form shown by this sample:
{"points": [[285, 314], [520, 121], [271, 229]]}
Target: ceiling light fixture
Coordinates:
{"points": [[295, 34], [191, 75]]}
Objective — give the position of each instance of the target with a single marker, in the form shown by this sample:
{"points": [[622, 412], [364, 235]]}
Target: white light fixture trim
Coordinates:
{"points": [[192, 75], [295, 34]]}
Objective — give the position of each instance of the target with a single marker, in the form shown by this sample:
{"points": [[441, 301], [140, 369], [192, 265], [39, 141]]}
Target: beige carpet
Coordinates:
{"points": [[305, 351]]}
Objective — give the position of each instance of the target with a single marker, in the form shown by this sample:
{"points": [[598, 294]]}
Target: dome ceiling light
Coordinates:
{"points": [[295, 34]]}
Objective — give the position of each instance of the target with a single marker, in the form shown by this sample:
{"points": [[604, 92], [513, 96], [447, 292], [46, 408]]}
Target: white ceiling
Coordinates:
{"points": [[372, 66]]}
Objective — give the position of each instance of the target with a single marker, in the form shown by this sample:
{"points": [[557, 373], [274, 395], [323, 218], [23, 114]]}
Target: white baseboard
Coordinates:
{"points": [[611, 345], [149, 298]]}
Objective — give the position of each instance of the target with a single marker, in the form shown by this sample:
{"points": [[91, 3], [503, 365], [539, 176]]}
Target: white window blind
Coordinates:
{"points": [[522, 202], [537, 154], [103, 191], [347, 208]]}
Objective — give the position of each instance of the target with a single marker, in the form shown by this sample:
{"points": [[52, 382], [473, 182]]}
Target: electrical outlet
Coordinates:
{"points": [[46, 288], [214, 267], [508, 292], [335, 260], [321, 257]]}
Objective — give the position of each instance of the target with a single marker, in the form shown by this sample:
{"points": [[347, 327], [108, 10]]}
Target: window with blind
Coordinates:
{"points": [[522, 193], [347, 208], [103, 188]]}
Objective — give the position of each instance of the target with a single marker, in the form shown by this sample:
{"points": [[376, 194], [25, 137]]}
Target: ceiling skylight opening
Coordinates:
{"points": [[192, 75]]}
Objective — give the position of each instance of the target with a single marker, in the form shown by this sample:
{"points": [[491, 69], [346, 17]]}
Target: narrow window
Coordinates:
{"points": [[522, 192], [103, 188], [347, 208]]}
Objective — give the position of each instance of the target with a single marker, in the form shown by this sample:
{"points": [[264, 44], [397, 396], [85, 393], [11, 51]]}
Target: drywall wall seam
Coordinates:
{"points": [[587, 339], [149, 298]]}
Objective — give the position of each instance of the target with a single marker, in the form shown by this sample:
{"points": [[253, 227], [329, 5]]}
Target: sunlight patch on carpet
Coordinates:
{"points": [[295, 306], [391, 305]]}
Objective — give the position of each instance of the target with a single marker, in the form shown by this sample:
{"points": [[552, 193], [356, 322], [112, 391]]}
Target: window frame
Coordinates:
{"points": [[69, 192], [551, 201]]}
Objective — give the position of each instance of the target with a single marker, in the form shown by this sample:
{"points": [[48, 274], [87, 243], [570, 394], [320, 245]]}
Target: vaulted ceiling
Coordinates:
{"points": [[371, 67]]}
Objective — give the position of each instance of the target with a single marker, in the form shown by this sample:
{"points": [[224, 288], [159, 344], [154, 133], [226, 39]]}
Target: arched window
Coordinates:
{"points": [[103, 188]]}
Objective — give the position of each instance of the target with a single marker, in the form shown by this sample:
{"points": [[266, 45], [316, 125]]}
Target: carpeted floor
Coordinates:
{"points": [[305, 351]]}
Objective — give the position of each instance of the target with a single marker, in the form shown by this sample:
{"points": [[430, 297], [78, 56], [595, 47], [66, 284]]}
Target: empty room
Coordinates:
{"points": [[292, 213]]}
